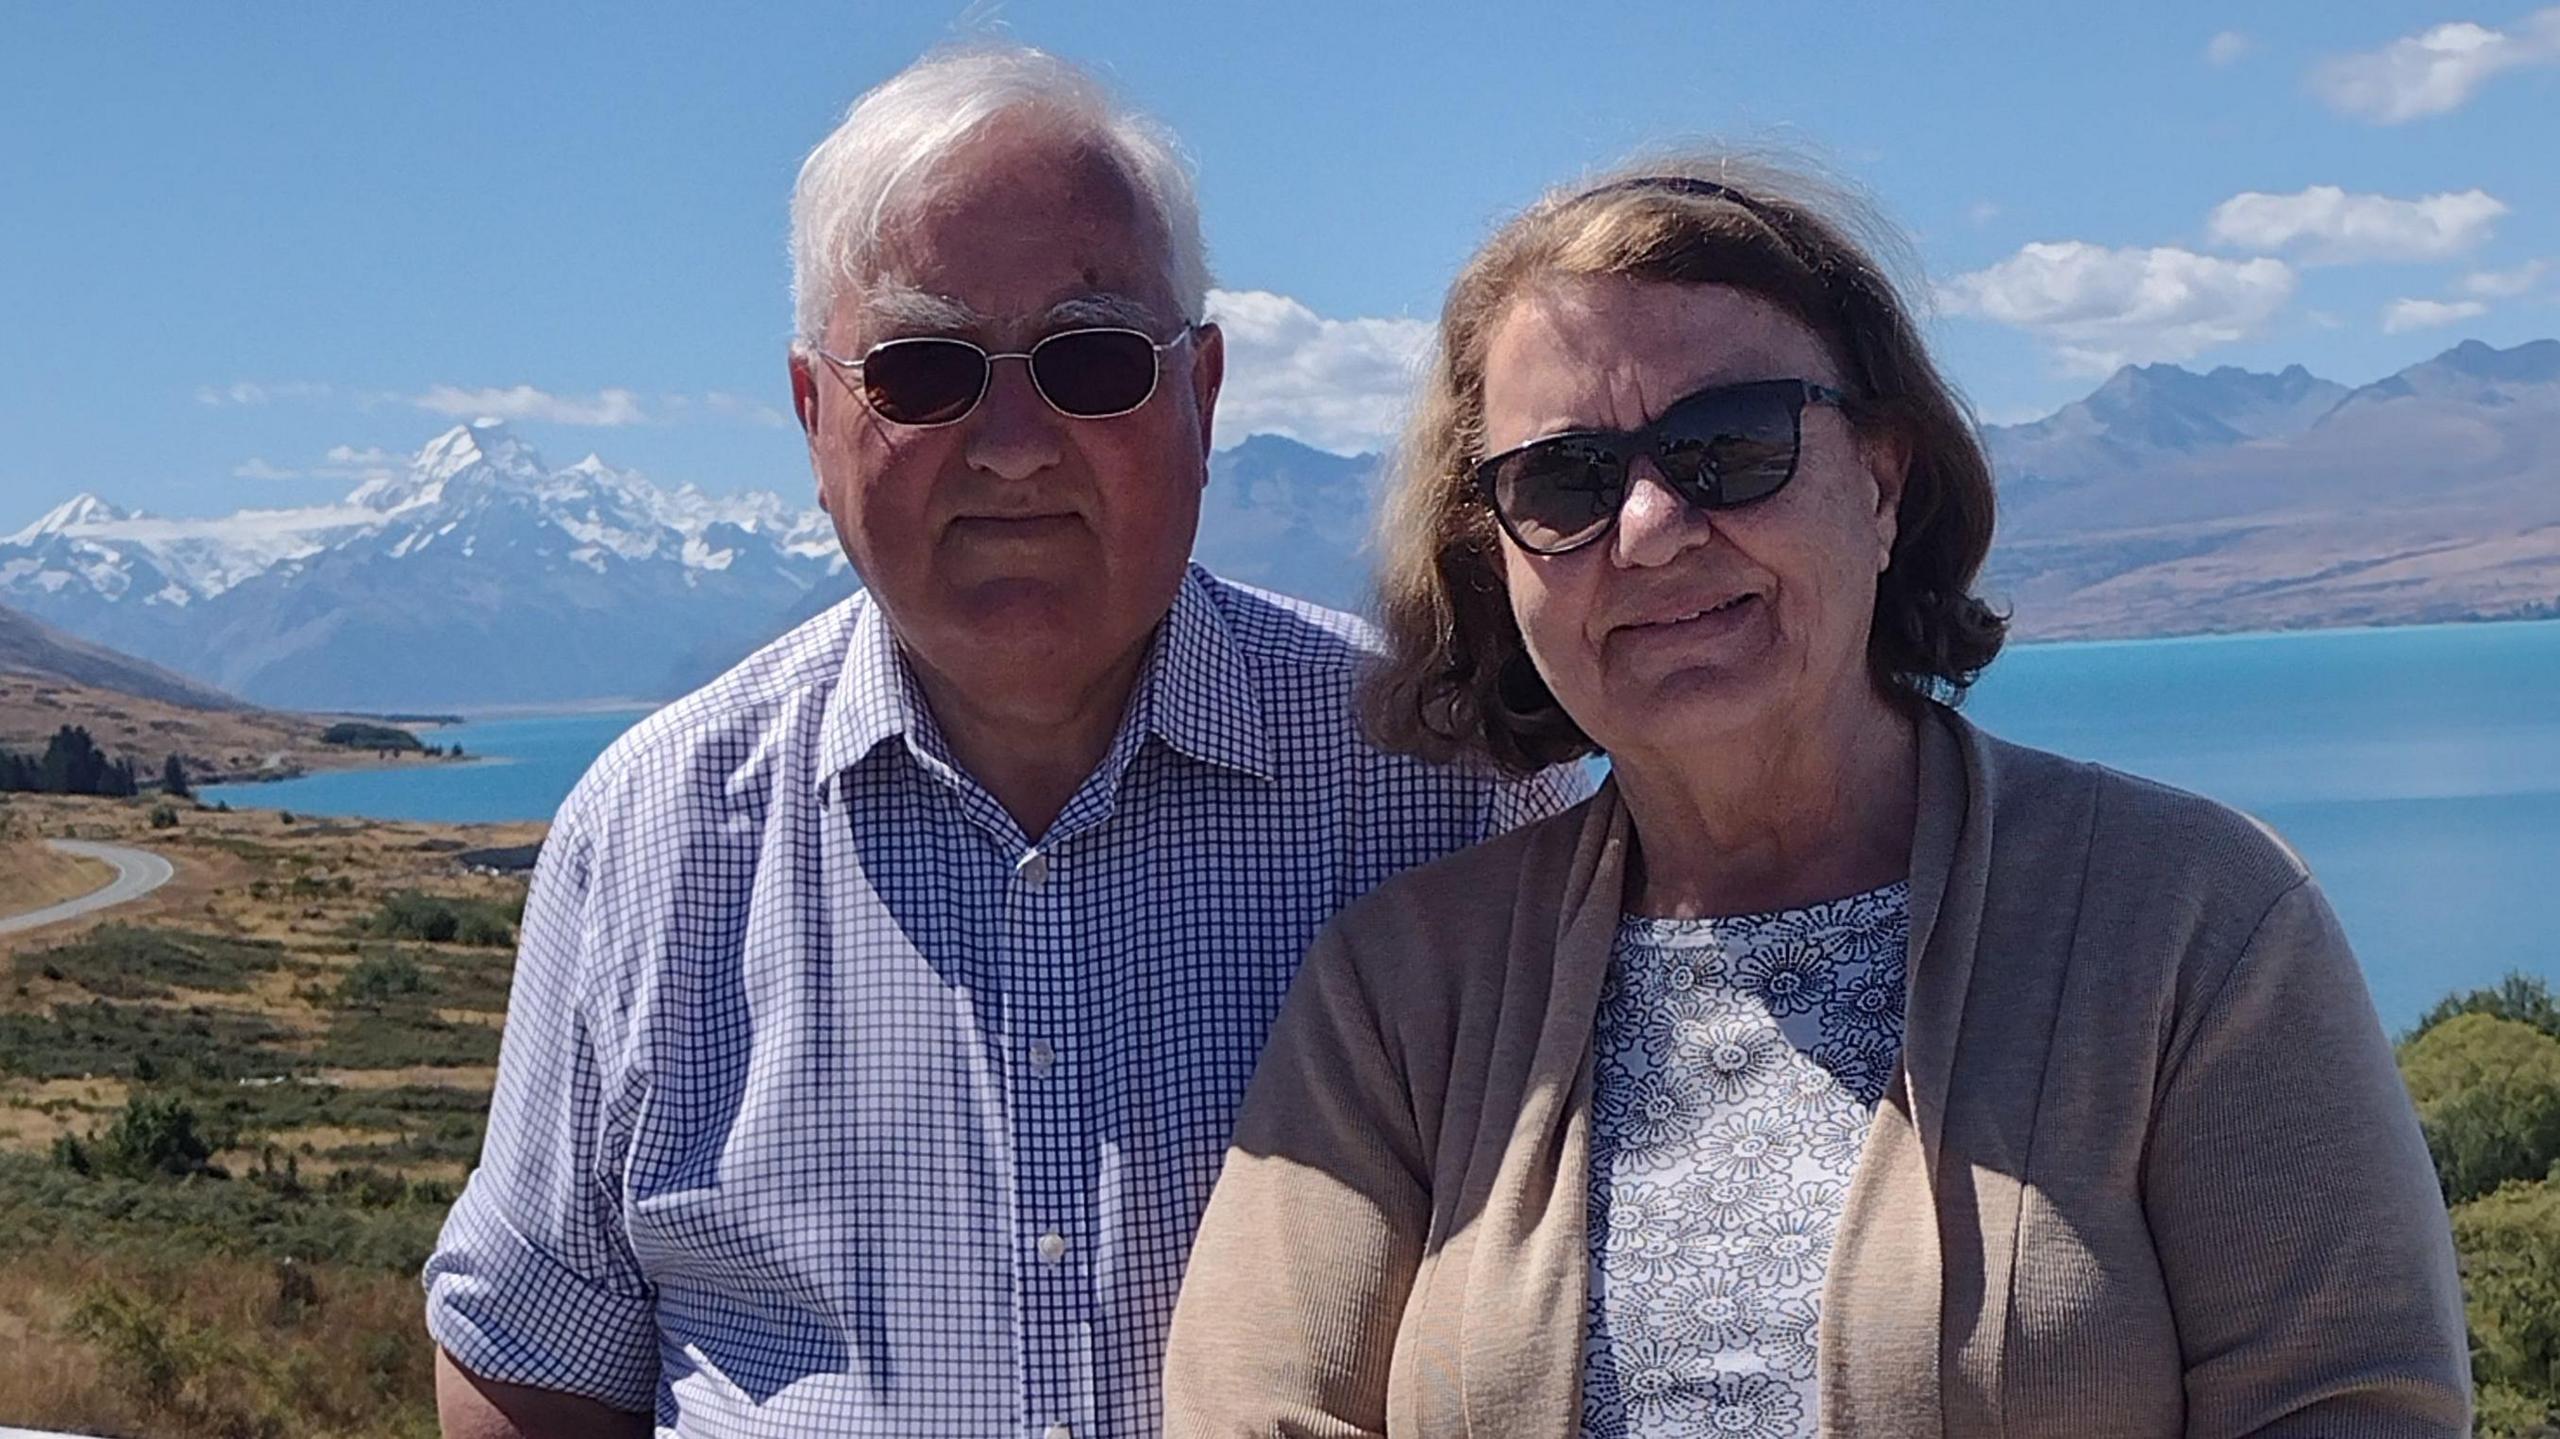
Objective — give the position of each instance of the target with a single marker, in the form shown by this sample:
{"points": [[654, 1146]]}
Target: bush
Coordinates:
{"points": [[2488, 1096], [163, 817], [155, 1137], [438, 920], [380, 979], [2510, 1245]]}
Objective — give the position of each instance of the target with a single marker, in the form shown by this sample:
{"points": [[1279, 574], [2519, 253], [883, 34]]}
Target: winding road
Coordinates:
{"points": [[138, 872]]}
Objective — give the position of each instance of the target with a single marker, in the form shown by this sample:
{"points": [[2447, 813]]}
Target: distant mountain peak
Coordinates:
{"points": [[482, 442], [2532, 362], [81, 509]]}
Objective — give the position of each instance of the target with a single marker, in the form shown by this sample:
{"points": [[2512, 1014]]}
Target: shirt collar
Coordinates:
{"points": [[1196, 693]]}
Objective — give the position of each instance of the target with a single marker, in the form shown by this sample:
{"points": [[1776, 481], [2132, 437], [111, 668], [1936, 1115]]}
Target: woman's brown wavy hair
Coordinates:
{"points": [[1456, 683]]}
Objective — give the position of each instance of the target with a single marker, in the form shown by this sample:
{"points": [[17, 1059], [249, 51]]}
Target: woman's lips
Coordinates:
{"points": [[1715, 618]]}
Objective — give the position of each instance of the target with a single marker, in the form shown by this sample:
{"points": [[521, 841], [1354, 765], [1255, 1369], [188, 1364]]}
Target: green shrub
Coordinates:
{"points": [[437, 920], [156, 1136], [2488, 1096], [2510, 1246], [380, 979], [163, 817]]}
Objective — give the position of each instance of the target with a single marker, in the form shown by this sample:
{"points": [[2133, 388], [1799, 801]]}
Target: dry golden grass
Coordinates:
{"points": [[33, 875], [211, 1349], [152, 1334]]}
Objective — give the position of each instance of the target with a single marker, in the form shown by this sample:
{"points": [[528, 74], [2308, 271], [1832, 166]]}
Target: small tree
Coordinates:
{"points": [[156, 1135], [2510, 1244], [2488, 1097], [173, 779]]}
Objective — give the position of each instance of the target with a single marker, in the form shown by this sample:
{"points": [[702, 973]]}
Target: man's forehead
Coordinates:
{"points": [[1015, 228]]}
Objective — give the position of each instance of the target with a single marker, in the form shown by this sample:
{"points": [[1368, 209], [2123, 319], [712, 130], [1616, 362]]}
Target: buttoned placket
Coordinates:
{"points": [[1055, 1150]]}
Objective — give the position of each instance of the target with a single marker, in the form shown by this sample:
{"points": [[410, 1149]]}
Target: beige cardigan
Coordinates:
{"points": [[2146, 1169]]}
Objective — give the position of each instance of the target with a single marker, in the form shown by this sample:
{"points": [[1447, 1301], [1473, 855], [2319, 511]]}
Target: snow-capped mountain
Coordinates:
{"points": [[2165, 502], [451, 582], [480, 575]]}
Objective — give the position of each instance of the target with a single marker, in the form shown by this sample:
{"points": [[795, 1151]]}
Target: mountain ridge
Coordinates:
{"points": [[2165, 501]]}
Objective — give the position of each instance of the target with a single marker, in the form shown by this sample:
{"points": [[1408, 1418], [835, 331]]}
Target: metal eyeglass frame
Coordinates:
{"points": [[987, 369]]}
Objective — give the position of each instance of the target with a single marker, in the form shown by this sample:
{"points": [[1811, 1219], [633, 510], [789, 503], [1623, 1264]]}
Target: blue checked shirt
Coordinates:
{"points": [[831, 1105]]}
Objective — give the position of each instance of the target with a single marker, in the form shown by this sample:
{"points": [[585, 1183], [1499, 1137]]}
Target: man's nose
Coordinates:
{"points": [[1015, 433]]}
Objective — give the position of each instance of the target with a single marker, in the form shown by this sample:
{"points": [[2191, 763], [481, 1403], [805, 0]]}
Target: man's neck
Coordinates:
{"points": [[1033, 750]]}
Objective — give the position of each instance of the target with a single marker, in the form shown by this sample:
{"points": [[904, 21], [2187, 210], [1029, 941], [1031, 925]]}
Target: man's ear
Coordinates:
{"points": [[1208, 372], [804, 393]]}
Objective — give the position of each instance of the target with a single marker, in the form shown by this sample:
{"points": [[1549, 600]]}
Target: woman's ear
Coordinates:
{"points": [[1885, 452]]}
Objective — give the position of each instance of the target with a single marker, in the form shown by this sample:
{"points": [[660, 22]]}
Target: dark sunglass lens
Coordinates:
{"points": [[1558, 492], [924, 382], [1731, 447], [1092, 374]]}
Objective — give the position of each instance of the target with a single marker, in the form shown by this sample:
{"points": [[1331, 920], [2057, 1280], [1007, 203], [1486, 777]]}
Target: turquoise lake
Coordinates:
{"points": [[2418, 770]]}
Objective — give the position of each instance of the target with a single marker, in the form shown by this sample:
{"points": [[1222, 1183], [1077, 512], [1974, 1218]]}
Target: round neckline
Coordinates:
{"points": [[1759, 918]]}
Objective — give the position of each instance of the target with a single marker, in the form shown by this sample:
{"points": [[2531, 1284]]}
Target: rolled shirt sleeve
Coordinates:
{"points": [[532, 1281]]}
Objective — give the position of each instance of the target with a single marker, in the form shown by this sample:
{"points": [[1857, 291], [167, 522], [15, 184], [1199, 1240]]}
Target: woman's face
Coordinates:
{"points": [[1683, 627]]}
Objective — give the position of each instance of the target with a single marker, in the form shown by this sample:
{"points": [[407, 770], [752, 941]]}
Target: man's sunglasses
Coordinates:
{"points": [[1088, 374], [1718, 448]]}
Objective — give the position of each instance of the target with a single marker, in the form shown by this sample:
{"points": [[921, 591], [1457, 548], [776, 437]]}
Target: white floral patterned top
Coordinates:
{"points": [[1738, 1064]]}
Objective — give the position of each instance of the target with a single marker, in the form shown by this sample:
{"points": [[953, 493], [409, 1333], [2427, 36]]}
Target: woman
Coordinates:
{"points": [[1838, 1067]]}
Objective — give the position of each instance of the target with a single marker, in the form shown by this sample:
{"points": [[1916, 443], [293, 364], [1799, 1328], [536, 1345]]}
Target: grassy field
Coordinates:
{"points": [[231, 1117], [233, 1113], [33, 876]]}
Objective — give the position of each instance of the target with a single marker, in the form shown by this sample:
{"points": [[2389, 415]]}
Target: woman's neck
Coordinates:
{"points": [[1821, 811]]}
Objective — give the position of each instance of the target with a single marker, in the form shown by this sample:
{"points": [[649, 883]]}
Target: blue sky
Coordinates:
{"points": [[247, 254]]}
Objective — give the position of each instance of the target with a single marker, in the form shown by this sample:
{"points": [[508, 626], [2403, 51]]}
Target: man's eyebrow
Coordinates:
{"points": [[904, 309], [1102, 309]]}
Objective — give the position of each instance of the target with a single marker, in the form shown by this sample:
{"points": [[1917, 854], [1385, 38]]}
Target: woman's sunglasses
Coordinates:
{"points": [[1718, 448], [1088, 374]]}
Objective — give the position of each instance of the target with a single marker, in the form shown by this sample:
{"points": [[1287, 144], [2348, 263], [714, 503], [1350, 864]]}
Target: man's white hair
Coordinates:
{"points": [[895, 133]]}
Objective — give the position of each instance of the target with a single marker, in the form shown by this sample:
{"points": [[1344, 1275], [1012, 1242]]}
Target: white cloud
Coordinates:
{"points": [[607, 408], [342, 462], [1339, 385], [2436, 70], [1982, 212], [251, 392], [2402, 315], [2100, 308], [2505, 284], [2329, 226], [2226, 48]]}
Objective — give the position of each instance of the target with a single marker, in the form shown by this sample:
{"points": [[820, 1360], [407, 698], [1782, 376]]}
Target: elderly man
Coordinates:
{"points": [[883, 1007]]}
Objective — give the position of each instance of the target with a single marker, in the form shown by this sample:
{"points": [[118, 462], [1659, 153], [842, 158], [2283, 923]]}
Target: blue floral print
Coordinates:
{"points": [[1737, 1067]]}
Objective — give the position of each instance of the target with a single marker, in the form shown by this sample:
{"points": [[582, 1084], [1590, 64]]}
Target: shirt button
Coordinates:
{"points": [[1043, 1057], [1057, 1431], [1053, 1247], [1032, 869]]}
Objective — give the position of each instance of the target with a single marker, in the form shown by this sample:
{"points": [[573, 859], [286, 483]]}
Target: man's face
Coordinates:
{"points": [[1023, 556]]}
